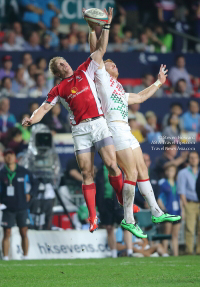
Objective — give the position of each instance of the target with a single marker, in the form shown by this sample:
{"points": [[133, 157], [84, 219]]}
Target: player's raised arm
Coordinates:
{"points": [[37, 115], [103, 40], [148, 92]]}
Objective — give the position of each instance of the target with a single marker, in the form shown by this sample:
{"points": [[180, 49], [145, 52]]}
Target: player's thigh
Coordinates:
{"points": [[108, 154], [126, 161], [168, 227], [85, 162], [22, 218], [8, 219]]}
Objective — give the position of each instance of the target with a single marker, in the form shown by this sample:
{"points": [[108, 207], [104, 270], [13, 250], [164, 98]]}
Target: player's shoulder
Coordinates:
{"points": [[55, 89]]}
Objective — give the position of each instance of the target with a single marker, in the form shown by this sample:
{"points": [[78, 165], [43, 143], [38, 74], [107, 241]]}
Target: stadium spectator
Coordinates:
{"points": [[32, 71], [163, 41], [54, 33], [46, 42], [32, 11], [169, 157], [33, 42], [134, 110], [1, 156], [82, 42], [73, 172], [24, 130], [42, 68], [165, 10], [191, 118], [187, 178], [135, 128], [19, 86], [64, 42], [6, 71], [13, 139], [140, 247], [51, 9], [27, 60], [152, 128], [175, 108], [110, 212], [198, 186], [40, 90], [169, 201], [73, 43], [17, 28], [74, 29], [56, 122], [172, 130], [32, 107], [179, 72], [181, 90], [15, 196], [147, 80], [7, 120], [10, 43], [6, 88]]}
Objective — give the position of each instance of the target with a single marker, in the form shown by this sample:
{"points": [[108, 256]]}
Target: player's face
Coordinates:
{"points": [[64, 69], [112, 69]]}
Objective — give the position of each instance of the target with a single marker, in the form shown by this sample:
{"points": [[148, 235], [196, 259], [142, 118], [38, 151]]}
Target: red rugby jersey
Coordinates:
{"points": [[78, 93]]}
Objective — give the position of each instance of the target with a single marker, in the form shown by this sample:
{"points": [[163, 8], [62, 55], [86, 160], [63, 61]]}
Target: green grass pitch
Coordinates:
{"points": [[140, 272]]}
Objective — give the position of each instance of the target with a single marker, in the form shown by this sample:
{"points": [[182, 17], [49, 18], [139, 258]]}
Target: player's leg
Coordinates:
{"points": [[128, 242], [112, 240], [146, 190], [6, 242], [167, 231], [126, 161], [175, 233], [23, 232], [8, 221], [86, 165], [22, 220], [108, 155]]}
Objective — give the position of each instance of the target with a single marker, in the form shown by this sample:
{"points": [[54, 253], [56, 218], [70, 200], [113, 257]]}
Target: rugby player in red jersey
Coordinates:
{"points": [[78, 95]]}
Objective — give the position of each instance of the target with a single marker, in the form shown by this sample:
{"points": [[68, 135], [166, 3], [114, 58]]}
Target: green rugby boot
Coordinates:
{"points": [[133, 228], [166, 218]]}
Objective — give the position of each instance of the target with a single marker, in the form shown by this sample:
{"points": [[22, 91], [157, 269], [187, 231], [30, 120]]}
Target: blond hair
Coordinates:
{"points": [[108, 60], [53, 66]]}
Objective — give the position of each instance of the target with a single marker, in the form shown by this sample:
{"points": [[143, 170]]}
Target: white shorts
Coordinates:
{"points": [[122, 136], [90, 135]]}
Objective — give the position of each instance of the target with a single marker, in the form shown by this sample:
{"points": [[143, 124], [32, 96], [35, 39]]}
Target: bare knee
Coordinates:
{"points": [[7, 233], [142, 171], [88, 176], [112, 167], [109, 229], [23, 232], [131, 174]]}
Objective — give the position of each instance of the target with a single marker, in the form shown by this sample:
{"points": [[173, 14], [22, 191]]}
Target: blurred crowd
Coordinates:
{"points": [[137, 25]]}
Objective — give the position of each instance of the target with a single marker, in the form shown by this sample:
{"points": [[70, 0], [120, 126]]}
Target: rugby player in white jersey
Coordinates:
{"points": [[115, 103]]}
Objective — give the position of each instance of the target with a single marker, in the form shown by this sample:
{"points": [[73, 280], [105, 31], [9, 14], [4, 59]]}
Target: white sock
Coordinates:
{"points": [[114, 253], [5, 258], [146, 191], [128, 198], [25, 257], [129, 252]]}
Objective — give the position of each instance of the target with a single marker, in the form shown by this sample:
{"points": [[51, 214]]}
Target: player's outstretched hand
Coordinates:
{"points": [[26, 122], [162, 76], [109, 14], [90, 24]]}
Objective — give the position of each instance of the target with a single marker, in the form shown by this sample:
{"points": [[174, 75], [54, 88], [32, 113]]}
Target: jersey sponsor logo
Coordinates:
{"points": [[77, 93], [79, 78], [20, 179], [74, 90]]}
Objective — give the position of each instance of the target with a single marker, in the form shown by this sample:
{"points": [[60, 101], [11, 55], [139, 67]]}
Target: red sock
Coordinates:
{"points": [[117, 183], [89, 192]]}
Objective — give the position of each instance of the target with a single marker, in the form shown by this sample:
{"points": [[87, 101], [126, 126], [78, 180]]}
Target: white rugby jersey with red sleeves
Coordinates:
{"points": [[78, 93]]}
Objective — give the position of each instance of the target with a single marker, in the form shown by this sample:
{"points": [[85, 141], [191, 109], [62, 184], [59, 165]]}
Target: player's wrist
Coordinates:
{"points": [[106, 27], [158, 84], [91, 30]]}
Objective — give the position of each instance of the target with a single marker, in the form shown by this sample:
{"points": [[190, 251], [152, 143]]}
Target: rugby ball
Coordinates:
{"points": [[97, 16]]}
